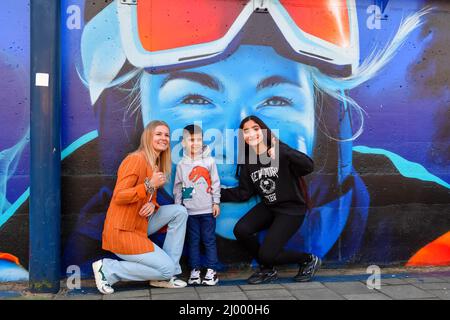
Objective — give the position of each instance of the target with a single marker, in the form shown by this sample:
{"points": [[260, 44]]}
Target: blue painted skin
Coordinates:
{"points": [[9, 271], [286, 104]]}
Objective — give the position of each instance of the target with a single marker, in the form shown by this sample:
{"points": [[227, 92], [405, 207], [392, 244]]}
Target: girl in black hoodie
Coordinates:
{"points": [[271, 169]]}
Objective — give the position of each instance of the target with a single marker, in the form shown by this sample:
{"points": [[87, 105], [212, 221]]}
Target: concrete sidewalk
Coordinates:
{"points": [[329, 284]]}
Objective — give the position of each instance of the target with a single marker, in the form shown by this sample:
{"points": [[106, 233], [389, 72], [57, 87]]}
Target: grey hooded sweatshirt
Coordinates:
{"points": [[197, 184]]}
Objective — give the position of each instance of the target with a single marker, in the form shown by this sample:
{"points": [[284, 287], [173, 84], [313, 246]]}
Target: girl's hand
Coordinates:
{"points": [[158, 178], [271, 151], [147, 210], [216, 210]]}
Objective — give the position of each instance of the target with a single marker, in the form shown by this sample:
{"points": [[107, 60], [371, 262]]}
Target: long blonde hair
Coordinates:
{"points": [[163, 161]]}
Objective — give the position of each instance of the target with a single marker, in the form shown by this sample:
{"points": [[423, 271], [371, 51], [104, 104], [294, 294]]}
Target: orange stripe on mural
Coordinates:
{"points": [[9, 257], [437, 253]]}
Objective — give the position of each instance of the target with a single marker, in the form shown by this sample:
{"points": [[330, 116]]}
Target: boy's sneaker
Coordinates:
{"points": [[195, 277], [100, 280], [211, 278], [263, 276], [308, 269], [173, 283]]}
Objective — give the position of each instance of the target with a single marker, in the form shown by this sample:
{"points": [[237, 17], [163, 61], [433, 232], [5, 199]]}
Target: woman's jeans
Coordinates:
{"points": [[161, 264]]}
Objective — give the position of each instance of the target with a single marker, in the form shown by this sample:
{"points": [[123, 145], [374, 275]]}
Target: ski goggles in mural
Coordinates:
{"points": [[161, 34]]}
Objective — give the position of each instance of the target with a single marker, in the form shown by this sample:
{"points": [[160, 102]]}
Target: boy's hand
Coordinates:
{"points": [[216, 210]]}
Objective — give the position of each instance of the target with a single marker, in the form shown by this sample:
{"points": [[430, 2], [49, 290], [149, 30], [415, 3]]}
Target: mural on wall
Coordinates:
{"points": [[360, 87]]}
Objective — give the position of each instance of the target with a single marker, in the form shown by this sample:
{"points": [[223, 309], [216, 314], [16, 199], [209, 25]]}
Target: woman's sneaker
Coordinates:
{"points": [[100, 280], [263, 276], [195, 277], [308, 269], [173, 283], [211, 278]]}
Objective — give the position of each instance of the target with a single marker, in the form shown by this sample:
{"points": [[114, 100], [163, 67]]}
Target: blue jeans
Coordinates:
{"points": [[202, 229], [160, 264]]}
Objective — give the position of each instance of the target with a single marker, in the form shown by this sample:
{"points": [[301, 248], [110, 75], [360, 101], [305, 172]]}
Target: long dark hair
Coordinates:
{"points": [[268, 136], [244, 149]]}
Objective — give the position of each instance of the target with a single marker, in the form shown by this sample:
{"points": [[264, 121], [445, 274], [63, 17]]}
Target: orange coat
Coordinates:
{"points": [[125, 231]]}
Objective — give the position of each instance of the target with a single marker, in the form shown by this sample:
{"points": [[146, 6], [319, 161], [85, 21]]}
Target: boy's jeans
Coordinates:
{"points": [[202, 229]]}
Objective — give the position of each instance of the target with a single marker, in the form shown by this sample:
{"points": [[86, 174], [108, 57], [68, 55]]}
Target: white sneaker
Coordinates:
{"points": [[100, 280], [211, 278], [195, 277], [173, 283]]}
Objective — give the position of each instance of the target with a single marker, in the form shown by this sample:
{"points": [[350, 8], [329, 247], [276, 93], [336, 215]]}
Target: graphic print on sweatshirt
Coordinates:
{"points": [[195, 175], [266, 178]]}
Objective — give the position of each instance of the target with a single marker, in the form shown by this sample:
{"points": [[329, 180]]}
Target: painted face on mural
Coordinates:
{"points": [[219, 95], [254, 80]]}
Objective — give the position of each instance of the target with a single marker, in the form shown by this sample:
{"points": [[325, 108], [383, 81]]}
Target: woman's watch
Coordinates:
{"points": [[148, 186]]}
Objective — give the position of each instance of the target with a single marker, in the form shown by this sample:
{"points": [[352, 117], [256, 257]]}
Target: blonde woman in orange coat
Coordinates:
{"points": [[134, 214]]}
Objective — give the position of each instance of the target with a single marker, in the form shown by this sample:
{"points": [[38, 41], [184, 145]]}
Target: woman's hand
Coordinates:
{"points": [[216, 210], [158, 178], [147, 210], [271, 151]]}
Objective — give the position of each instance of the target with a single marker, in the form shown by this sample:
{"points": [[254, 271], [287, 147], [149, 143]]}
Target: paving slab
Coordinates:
{"points": [[218, 289], [348, 288], [441, 294], [403, 292], [266, 294], [316, 294], [303, 285], [433, 286], [276, 298], [223, 296], [176, 296], [248, 287], [172, 290], [139, 298], [117, 295], [368, 296]]}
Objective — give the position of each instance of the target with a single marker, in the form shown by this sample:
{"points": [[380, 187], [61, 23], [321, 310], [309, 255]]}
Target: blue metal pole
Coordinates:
{"points": [[45, 200]]}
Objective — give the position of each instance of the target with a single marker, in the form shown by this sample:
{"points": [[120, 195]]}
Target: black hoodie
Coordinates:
{"points": [[278, 185]]}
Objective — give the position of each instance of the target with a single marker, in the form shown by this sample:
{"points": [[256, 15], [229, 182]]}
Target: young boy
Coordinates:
{"points": [[197, 187]]}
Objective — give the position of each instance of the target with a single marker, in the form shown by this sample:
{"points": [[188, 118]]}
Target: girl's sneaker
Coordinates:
{"points": [[264, 275], [195, 277], [211, 278], [308, 269], [100, 280]]}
